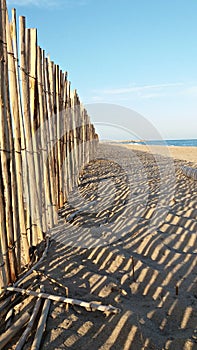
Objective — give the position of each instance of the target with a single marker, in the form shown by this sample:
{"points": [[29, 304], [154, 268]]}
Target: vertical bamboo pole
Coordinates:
{"points": [[3, 237], [59, 134], [80, 142], [34, 199], [61, 91], [5, 145], [72, 142], [74, 150], [83, 136], [77, 131], [54, 118], [25, 178], [27, 54], [69, 139], [44, 127], [94, 140], [88, 138], [91, 141], [43, 137], [34, 106], [14, 197], [51, 159], [60, 194], [75, 124], [17, 142], [49, 198], [86, 126], [35, 122], [61, 139], [3, 277], [65, 121]]}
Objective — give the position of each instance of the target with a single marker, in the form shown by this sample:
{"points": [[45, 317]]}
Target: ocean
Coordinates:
{"points": [[182, 142]]}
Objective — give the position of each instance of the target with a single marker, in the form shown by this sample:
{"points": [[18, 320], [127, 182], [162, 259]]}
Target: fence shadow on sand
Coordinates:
{"points": [[148, 271]]}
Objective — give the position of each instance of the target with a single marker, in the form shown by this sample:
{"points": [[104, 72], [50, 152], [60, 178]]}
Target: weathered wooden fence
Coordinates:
{"points": [[45, 139]]}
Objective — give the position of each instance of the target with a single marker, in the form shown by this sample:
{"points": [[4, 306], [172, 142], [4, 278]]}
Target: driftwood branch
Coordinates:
{"points": [[6, 337], [88, 305]]}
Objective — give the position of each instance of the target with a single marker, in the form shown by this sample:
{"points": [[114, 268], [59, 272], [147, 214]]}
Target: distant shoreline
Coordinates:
{"points": [[169, 143], [176, 152]]}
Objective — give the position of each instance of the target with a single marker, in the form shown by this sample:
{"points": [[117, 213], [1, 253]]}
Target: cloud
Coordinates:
{"points": [[139, 88], [153, 95], [138, 92], [33, 2], [47, 3]]}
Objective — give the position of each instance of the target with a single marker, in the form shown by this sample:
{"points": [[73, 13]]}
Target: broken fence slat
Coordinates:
{"points": [[6, 337], [90, 305], [41, 325], [31, 322], [190, 172]]}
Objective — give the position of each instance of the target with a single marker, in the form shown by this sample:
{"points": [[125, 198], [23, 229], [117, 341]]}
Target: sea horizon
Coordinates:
{"points": [[168, 142]]}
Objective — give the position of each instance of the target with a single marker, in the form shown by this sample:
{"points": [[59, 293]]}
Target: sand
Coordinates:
{"points": [[183, 153], [127, 238]]}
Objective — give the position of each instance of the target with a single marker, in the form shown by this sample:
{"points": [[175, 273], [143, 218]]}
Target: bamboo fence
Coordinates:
{"points": [[46, 137]]}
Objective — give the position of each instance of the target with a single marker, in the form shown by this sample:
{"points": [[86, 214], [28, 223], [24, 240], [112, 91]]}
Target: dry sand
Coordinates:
{"points": [[137, 211], [183, 153]]}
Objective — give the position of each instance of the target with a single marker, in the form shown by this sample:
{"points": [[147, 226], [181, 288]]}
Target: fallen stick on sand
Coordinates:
{"points": [[88, 305], [52, 280], [7, 301], [11, 302], [41, 325], [190, 172], [6, 337], [9, 318], [31, 322]]}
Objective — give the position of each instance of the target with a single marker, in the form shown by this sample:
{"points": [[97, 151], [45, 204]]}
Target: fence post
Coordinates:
{"points": [[5, 145], [50, 145], [4, 258], [45, 138], [14, 101], [36, 226]]}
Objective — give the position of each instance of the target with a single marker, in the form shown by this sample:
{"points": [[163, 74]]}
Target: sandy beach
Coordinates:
{"points": [[183, 153], [98, 228], [127, 239]]}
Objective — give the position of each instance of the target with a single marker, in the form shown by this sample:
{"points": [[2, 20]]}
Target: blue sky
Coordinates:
{"points": [[140, 54]]}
